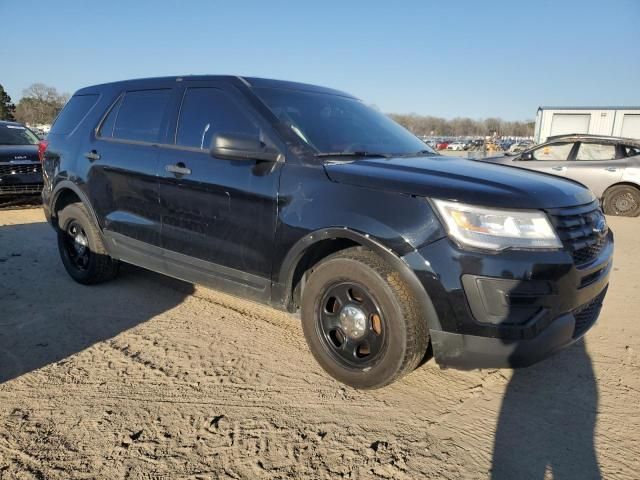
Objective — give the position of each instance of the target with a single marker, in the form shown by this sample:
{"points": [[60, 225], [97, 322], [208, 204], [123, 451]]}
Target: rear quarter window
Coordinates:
{"points": [[73, 113], [632, 151]]}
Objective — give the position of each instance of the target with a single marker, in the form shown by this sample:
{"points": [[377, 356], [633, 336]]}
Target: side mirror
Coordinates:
{"points": [[237, 146], [526, 156]]}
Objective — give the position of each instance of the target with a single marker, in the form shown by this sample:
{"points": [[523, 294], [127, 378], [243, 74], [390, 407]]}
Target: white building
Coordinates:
{"points": [[613, 121]]}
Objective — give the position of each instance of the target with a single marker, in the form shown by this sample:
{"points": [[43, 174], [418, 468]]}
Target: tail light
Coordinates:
{"points": [[42, 147]]}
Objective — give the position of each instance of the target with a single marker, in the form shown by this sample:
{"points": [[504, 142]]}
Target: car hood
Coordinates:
{"points": [[18, 153], [463, 180]]}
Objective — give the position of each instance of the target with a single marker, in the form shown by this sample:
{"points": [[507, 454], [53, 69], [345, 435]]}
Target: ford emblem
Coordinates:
{"points": [[600, 225]]}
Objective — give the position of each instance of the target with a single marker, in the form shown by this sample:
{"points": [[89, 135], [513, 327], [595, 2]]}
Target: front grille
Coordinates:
{"points": [[21, 188], [20, 169], [587, 314], [578, 229], [586, 254]]}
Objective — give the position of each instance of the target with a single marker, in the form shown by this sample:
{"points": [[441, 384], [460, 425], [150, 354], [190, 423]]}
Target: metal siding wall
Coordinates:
{"points": [[603, 121], [619, 122]]}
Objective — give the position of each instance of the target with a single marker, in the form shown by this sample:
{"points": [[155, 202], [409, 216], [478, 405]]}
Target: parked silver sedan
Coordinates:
{"points": [[609, 166]]}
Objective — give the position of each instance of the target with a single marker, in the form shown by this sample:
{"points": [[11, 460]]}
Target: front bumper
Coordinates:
{"points": [[20, 178], [471, 351], [511, 309]]}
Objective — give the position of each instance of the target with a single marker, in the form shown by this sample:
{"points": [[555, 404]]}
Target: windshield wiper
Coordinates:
{"points": [[353, 154], [421, 153]]}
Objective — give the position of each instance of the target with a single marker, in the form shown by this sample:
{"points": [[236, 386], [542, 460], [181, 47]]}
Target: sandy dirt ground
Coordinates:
{"points": [[151, 378]]}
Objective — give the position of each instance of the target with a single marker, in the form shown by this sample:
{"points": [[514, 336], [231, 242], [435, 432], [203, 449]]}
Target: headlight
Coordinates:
{"points": [[495, 229]]}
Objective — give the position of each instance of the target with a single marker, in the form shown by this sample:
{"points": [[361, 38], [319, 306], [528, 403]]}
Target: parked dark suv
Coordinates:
{"points": [[306, 199], [19, 163]]}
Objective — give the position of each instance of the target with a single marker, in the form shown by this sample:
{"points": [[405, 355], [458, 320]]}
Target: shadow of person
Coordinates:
{"points": [[46, 317], [547, 420]]}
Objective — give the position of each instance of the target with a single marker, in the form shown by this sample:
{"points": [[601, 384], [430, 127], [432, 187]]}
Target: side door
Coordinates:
{"points": [[218, 215], [549, 158], [597, 166], [122, 180]]}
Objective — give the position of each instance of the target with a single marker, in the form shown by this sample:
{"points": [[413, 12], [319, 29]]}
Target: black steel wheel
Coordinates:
{"points": [[361, 320], [622, 200], [351, 324], [77, 246], [81, 247]]}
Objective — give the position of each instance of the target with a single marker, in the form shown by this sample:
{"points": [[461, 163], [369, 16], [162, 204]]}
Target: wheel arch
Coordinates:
{"points": [[316, 246], [65, 193], [623, 183]]}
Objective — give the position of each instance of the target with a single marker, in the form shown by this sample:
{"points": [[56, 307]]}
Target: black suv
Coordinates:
{"points": [[304, 198]]}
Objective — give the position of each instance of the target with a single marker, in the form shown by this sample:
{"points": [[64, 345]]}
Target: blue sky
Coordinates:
{"points": [[453, 58]]}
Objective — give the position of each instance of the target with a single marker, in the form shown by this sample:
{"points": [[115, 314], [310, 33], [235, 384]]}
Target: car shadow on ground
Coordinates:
{"points": [[46, 317], [547, 420]]}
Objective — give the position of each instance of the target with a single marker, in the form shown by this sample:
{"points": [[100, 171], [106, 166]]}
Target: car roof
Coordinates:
{"points": [[247, 81], [591, 138], [8, 122]]}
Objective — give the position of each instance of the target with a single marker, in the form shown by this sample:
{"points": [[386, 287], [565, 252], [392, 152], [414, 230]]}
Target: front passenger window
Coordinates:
{"points": [[595, 151], [206, 111], [553, 152]]}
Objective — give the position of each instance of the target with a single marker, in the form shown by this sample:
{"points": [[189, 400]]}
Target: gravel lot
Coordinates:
{"points": [[151, 378]]}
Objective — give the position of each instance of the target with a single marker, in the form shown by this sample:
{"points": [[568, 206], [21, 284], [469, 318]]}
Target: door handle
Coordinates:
{"points": [[559, 169], [92, 156], [611, 169], [178, 169]]}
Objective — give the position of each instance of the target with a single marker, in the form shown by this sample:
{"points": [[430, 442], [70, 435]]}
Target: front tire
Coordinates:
{"points": [[81, 247], [622, 200], [361, 321]]}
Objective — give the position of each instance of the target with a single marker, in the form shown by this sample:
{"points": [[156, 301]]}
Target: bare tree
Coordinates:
{"points": [[40, 103]]}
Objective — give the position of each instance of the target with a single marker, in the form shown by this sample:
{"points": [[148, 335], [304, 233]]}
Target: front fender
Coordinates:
{"points": [[308, 202], [313, 209], [400, 264], [332, 233]]}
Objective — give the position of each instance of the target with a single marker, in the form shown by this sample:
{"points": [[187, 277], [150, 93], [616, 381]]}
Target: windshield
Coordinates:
{"points": [[333, 124], [16, 135]]}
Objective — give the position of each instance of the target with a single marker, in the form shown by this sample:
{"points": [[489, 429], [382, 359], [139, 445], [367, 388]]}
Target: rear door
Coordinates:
{"points": [[218, 215], [597, 166], [123, 157], [550, 158]]}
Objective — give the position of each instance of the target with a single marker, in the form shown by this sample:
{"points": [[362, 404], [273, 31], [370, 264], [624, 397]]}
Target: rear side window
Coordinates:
{"points": [[137, 116], [72, 114], [206, 111], [595, 151]]}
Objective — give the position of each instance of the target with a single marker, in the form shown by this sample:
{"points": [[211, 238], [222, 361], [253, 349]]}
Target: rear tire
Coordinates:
{"points": [[81, 247], [380, 335], [622, 200]]}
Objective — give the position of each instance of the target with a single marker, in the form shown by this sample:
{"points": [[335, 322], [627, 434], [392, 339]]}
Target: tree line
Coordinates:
{"points": [[436, 126], [39, 104]]}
